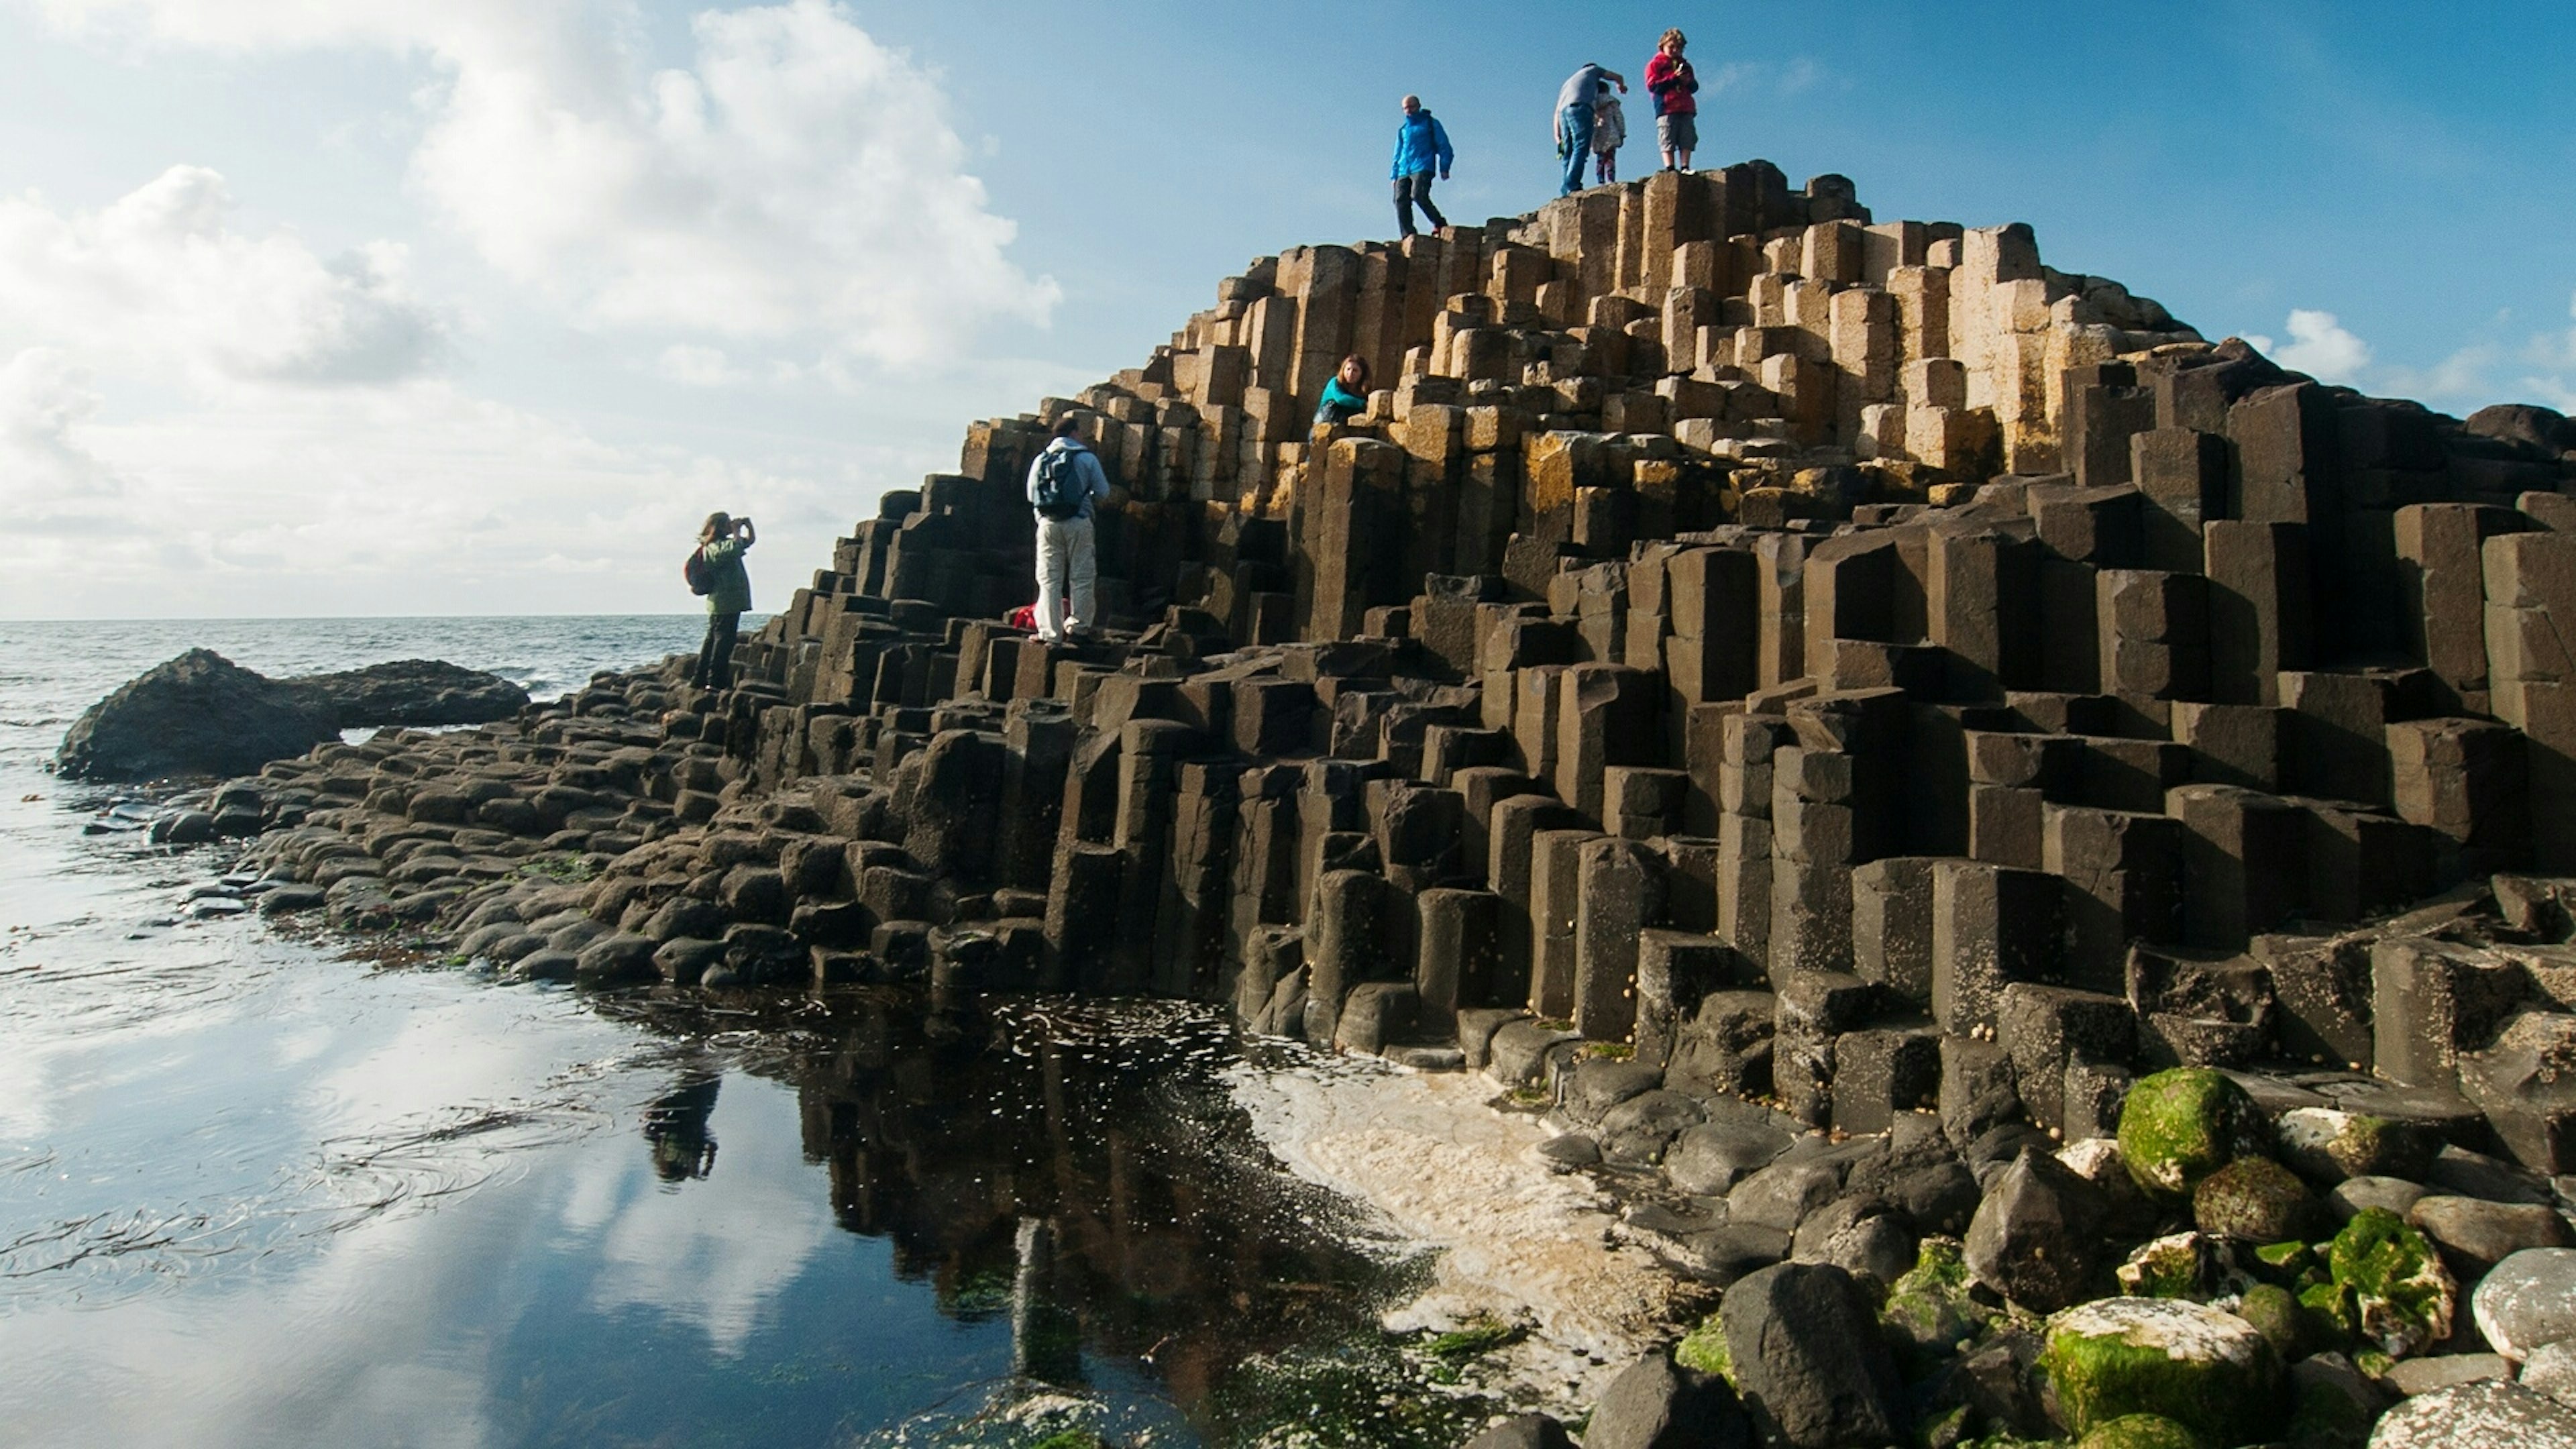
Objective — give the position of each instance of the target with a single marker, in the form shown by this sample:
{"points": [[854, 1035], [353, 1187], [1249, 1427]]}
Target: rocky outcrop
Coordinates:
{"points": [[2104, 797], [202, 714], [199, 714], [420, 692]]}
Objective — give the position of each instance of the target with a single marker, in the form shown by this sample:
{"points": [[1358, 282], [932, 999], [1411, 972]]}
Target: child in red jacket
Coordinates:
{"points": [[1676, 90]]}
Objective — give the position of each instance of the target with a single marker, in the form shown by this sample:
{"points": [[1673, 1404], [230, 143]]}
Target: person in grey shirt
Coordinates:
{"points": [[1574, 101]]}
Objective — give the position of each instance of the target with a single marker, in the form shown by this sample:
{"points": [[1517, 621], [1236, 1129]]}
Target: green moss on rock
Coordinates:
{"points": [[1704, 1349], [2330, 1306], [2285, 1263], [2179, 1126], [2253, 1198], [2200, 1367], [1929, 1311], [2141, 1431], [2400, 1295], [2275, 1313]]}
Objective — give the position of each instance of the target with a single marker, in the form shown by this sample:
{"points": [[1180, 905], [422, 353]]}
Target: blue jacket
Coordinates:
{"points": [[1086, 464], [1421, 144]]}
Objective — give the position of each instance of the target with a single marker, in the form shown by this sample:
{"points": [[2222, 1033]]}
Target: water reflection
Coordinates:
{"points": [[675, 1126], [255, 1192], [1079, 1171]]}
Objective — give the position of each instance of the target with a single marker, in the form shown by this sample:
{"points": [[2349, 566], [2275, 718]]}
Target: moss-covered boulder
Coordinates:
{"points": [[2141, 1431], [2178, 1265], [2256, 1199], [2179, 1126], [2331, 1309], [2275, 1313], [2188, 1362], [1929, 1313], [2391, 1282]]}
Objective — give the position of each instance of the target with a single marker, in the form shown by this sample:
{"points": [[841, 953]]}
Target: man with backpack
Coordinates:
{"points": [[1064, 482], [1421, 148], [716, 571]]}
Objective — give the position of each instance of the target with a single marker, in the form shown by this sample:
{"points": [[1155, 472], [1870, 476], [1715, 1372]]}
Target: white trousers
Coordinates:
{"points": [[1065, 557]]}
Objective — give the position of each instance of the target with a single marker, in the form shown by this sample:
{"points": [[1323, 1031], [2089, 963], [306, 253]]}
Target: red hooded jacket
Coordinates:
{"points": [[1673, 83]]}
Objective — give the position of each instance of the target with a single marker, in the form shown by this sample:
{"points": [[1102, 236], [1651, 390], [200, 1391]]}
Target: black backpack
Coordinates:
{"points": [[700, 575], [1061, 491]]}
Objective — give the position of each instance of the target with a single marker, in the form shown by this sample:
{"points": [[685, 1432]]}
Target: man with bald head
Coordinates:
{"points": [[1421, 148]]}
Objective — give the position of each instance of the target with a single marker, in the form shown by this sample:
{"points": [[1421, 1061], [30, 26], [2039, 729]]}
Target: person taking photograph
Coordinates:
{"points": [[721, 541]]}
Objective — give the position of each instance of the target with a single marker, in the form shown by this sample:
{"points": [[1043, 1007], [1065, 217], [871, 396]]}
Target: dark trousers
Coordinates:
{"points": [[715, 657], [1410, 192]]}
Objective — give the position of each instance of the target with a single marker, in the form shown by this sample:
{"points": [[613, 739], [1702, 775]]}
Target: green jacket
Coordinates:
{"points": [[732, 591]]}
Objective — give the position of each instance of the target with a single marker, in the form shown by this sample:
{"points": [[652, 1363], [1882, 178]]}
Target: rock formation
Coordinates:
{"points": [[202, 714], [414, 692], [1750, 653]]}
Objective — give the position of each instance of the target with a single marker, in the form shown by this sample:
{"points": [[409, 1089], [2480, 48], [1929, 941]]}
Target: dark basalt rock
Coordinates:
{"points": [[199, 714], [202, 714], [417, 692], [1809, 1360], [1657, 1405]]}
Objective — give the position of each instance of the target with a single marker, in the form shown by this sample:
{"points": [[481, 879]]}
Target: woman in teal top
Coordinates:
{"points": [[1346, 395], [721, 543]]}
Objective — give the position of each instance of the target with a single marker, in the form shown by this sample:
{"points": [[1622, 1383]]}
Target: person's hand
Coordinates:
{"points": [[1444, 175]]}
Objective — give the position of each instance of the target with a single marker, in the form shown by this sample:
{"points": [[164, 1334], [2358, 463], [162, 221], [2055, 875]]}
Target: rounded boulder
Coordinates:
{"points": [[2256, 1199], [2181, 1125], [2488, 1412], [2208, 1370], [2528, 1302]]}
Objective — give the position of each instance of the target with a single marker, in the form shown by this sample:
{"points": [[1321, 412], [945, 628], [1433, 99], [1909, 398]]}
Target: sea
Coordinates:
{"points": [[264, 1186]]}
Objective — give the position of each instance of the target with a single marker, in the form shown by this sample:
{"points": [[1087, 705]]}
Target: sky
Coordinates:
{"points": [[336, 307]]}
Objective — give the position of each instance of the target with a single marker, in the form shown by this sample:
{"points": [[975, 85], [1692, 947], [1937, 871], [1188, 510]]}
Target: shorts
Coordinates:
{"points": [[1677, 133]]}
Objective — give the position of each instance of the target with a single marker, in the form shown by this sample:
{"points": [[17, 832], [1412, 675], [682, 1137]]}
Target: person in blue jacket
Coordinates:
{"points": [[1421, 147]]}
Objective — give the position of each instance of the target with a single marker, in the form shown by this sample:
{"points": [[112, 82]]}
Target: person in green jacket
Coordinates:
{"points": [[721, 543]]}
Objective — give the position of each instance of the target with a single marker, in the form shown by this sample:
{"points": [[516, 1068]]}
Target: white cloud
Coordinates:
{"points": [[2460, 378], [410, 499], [43, 400], [799, 182], [2319, 346], [2555, 349], [692, 366], [159, 284], [2554, 392]]}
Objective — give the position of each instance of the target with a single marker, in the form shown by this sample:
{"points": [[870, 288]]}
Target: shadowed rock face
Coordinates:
{"points": [[202, 714]]}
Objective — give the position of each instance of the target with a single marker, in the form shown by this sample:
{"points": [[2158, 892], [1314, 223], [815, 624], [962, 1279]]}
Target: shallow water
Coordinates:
{"points": [[256, 1188]]}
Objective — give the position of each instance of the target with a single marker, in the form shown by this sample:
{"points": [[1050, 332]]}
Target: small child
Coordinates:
{"points": [[1609, 132]]}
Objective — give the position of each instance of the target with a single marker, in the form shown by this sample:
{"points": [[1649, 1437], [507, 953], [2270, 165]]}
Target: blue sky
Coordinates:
{"points": [[374, 307]]}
